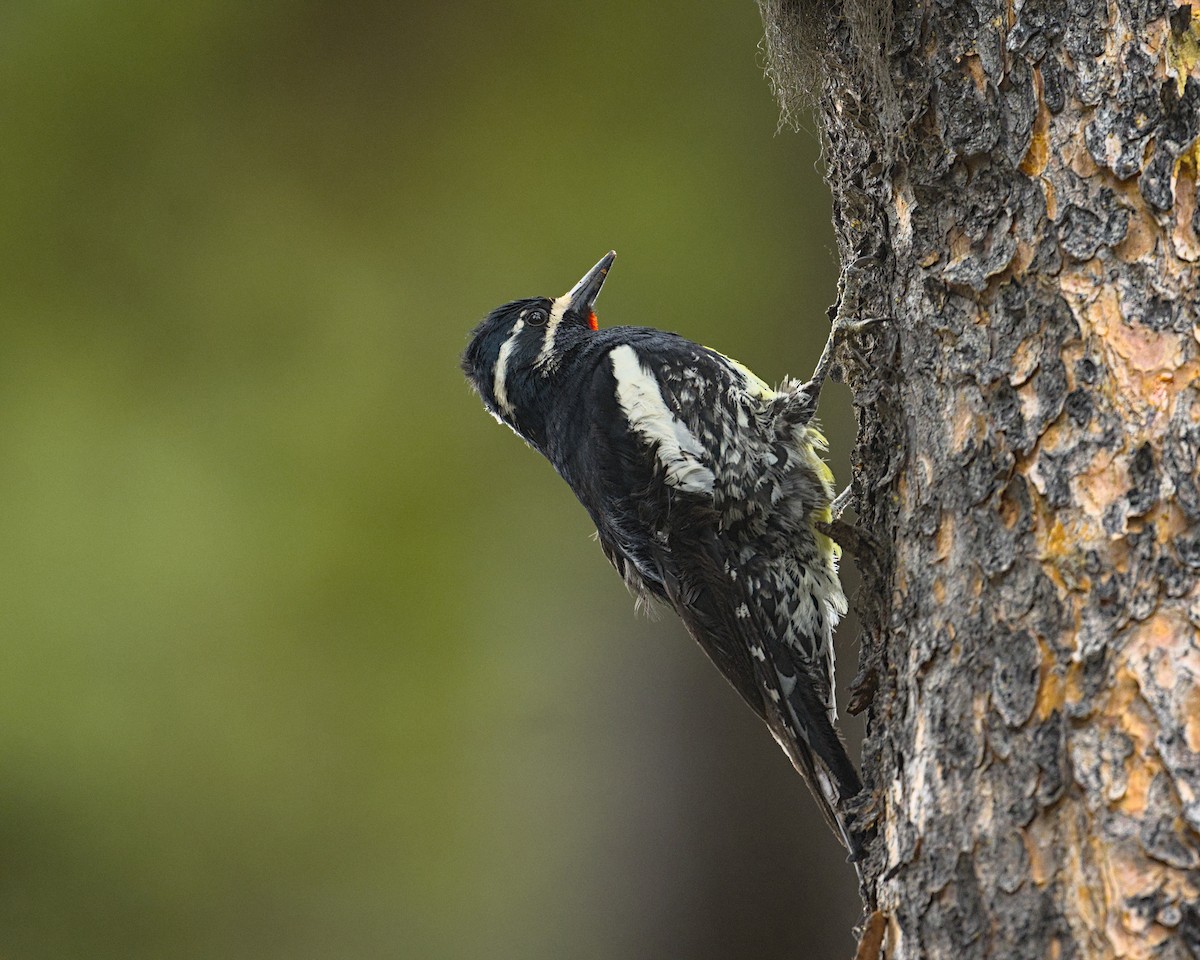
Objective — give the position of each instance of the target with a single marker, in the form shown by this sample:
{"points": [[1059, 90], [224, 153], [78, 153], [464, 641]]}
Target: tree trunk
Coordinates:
{"points": [[1022, 179]]}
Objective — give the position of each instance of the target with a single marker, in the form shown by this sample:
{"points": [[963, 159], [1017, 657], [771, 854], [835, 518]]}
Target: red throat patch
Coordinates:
{"points": [[592, 321]]}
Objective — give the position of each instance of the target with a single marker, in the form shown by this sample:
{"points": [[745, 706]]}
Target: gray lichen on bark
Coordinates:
{"points": [[1022, 177]]}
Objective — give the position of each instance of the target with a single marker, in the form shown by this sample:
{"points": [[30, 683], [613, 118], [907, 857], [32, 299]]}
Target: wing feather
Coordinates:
{"points": [[693, 479]]}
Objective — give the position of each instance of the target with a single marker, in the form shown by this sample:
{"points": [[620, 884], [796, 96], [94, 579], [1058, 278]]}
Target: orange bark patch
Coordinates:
{"points": [[1101, 484], [1020, 262], [1183, 236], [1025, 361], [964, 427], [1052, 691], [1039, 145], [1145, 350], [945, 537], [1041, 846], [959, 244], [1082, 162], [1137, 357], [976, 72], [1056, 540], [1051, 199], [1141, 235], [871, 940], [1011, 512], [1127, 877], [1126, 710], [1191, 726]]}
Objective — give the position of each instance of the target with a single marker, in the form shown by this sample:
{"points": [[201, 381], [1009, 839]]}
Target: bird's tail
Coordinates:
{"points": [[833, 791], [830, 776]]}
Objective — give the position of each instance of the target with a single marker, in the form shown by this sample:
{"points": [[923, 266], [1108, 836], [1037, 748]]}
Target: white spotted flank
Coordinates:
{"points": [[641, 400]]}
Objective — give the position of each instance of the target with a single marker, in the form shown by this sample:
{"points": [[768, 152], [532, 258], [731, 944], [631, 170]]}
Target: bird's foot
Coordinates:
{"points": [[842, 501], [843, 331]]}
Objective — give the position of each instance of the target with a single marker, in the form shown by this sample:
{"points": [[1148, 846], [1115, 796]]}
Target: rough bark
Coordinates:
{"points": [[1022, 177]]}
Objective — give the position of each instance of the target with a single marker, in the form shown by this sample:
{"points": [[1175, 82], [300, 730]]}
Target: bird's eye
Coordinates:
{"points": [[535, 318]]}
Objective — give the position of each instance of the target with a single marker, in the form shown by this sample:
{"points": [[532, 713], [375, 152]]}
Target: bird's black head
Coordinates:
{"points": [[519, 344]]}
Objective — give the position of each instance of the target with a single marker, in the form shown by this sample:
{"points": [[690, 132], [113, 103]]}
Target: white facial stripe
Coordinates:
{"points": [[499, 387], [641, 400], [557, 309]]}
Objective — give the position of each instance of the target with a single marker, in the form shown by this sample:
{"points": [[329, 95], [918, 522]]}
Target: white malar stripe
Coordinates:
{"points": [[557, 309], [642, 402], [499, 388]]}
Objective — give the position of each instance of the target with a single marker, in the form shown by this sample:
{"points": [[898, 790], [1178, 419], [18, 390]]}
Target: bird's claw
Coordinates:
{"points": [[842, 501]]}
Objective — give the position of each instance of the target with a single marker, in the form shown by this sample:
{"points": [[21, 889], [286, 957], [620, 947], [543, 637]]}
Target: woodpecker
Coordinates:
{"points": [[706, 488]]}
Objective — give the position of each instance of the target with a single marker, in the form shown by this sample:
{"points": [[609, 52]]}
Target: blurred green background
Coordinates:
{"points": [[303, 656]]}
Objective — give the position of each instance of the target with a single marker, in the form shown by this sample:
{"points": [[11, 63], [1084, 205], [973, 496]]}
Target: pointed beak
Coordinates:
{"points": [[583, 295]]}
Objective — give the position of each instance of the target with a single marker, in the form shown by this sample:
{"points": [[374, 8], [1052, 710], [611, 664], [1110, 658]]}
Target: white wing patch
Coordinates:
{"points": [[642, 402], [499, 387]]}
